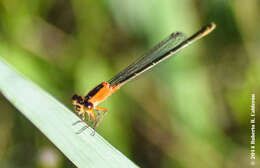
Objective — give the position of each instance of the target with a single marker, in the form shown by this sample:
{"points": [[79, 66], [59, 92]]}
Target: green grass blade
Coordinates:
{"points": [[54, 120]]}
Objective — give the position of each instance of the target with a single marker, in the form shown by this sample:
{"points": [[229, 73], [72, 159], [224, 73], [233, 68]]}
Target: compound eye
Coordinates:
{"points": [[88, 105], [78, 99], [75, 97]]}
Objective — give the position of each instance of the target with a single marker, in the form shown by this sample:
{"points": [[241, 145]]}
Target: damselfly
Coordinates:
{"points": [[168, 47]]}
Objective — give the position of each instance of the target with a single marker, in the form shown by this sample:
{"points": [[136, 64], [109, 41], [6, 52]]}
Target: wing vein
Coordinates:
{"points": [[148, 60]]}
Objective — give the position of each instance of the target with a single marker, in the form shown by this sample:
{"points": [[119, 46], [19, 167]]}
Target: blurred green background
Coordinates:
{"points": [[191, 111]]}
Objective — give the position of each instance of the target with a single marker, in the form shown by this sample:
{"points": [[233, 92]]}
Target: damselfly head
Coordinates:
{"points": [[78, 102]]}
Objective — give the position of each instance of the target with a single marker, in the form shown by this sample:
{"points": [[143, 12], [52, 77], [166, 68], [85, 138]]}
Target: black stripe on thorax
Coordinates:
{"points": [[93, 91]]}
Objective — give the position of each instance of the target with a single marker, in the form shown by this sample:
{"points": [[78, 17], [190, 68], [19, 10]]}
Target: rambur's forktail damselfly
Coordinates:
{"points": [[174, 43]]}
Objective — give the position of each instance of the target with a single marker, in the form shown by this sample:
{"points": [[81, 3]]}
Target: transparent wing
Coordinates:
{"points": [[160, 52]]}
